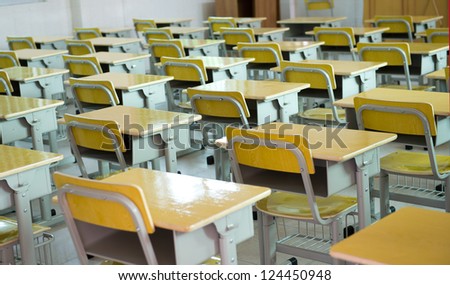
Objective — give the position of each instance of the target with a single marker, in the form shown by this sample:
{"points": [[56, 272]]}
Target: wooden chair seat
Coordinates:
{"points": [[414, 163]]}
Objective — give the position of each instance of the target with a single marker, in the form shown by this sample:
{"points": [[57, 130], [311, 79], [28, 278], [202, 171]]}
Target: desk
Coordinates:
{"points": [[24, 176], [195, 218], [439, 100], [202, 47], [364, 34], [300, 25], [122, 62], [299, 50], [267, 101], [410, 236], [249, 22], [342, 158], [52, 42], [269, 34], [427, 57], [437, 78], [152, 133], [188, 32], [421, 23], [219, 68], [137, 90], [124, 32], [131, 45], [173, 22], [44, 58]]}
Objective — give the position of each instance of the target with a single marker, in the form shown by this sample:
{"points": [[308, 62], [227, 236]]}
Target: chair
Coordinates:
{"points": [[187, 72], [5, 84], [159, 48], [312, 5], [284, 163], [93, 94], [80, 66], [110, 221], [100, 140], [336, 40], [80, 47], [141, 24], [416, 121], [397, 56], [8, 59], [233, 36], [216, 23], [16, 43], [266, 54], [87, 33], [400, 27], [157, 33], [437, 35], [320, 77]]}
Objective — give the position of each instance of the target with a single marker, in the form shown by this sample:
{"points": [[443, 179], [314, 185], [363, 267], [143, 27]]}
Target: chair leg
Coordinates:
{"points": [[384, 194]]}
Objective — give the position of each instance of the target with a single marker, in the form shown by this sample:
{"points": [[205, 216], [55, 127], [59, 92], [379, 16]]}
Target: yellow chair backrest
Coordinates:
{"points": [[80, 66], [303, 73], [447, 73], [158, 33], [8, 59], [437, 35], [399, 123], [216, 23], [389, 52], [220, 108], [270, 157], [339, 36], [396, 24], [185, 69], [169, 48], [87, 33], [262, 52], [141, 24], [95, 139], [232, 36], [100, 92], [103, 212], [16, 43], [5, 84], [80, 47], [319, 5]]}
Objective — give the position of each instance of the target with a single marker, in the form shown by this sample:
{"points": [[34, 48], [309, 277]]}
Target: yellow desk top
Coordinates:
{"points": [[15, 106], [218, 62], [50, 39], [362, 31], [115, 30], [186, 203], [142, 121], [423, 34], [333, 144], [172, 20], [16, 160], [268, 31], [111, 41], [427, 48], [129, 81], [26, 74], [437, 75], [187, 30], [117, 57], [311, 20], [199, 43], [439, 100], [410, 236], [255, 89], [416, 19], [295, 46], [36, 54]]}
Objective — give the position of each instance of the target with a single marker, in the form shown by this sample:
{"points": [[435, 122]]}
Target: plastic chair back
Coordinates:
{"points": [[8, 59], [100, 93], [185, 69], [312, 5], [157, 33], [265, 52], [16, 43], [396, 25], [80, 66], [233, 36], [319, 76], [5, 84], [339, 36], [169, 48], [87, 33], [437, 35], [80, 47], [216, 23], [141, 24]]}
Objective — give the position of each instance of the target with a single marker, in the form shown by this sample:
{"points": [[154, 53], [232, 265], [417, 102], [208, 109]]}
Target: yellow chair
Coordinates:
{"points": [[80, 47], [100, 140], [141, 24], [157, 33], [320, 77], [416, 121], [187, 72], [8, 59], [312, 5], [110, 221], [216, 23], [400, 27], [16, 43], [233, 36], [266, 54], [159, 48], [93, 94], [5, 84], [80, 66], [397, 55], [336, 40], [284, 163], [437, 35], [87, 33]]}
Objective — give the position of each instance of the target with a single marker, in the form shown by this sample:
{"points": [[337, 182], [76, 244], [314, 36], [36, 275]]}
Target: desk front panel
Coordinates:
{"points": [[39, 88]]}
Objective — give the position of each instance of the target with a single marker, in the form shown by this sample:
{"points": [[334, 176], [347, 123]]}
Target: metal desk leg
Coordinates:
{"points": [[363, 194], [170, 151], [267, 238], [227, 244], [384, 194]]}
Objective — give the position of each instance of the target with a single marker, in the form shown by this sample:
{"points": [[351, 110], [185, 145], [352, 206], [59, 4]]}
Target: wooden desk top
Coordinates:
{"points": [[437, 75], [117, 57], [142, 121], [115, 30], [218, 62], [415, 19], [169, 21], [362, 31], [311, 20], [27, 74], [187, 30], [439, 100], [15, 106], [248, 20], [51, 39], [255, 89], [111, 41], [427, 48], [16, 160], [407, 237], [333, 144], [199, 43], [36, 54], [269, 31], [129, 81], [296, 46], [186, 203]]}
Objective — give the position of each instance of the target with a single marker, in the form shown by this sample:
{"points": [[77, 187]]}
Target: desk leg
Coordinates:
{"points": [[363, 192], [170, 151], [227, 243], [267, 238]]}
